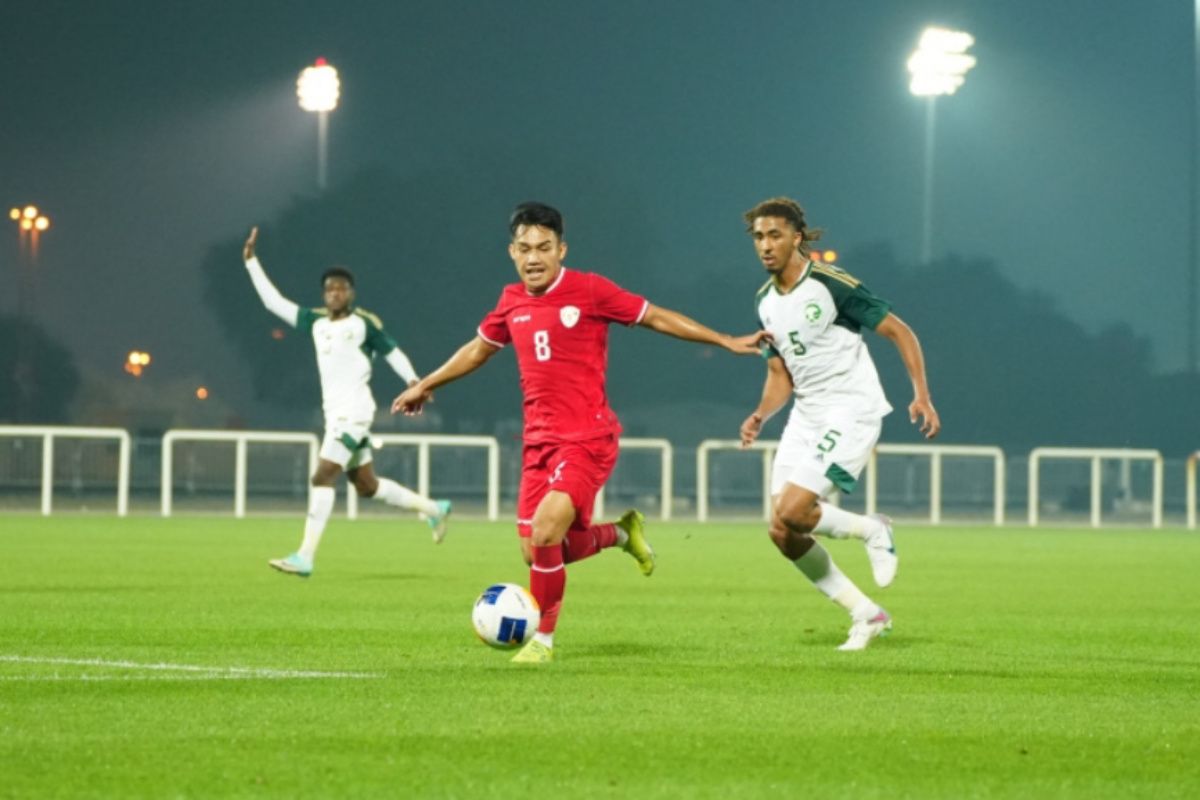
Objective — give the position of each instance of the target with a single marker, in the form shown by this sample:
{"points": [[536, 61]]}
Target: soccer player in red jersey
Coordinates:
{"points": [[557, 321]]}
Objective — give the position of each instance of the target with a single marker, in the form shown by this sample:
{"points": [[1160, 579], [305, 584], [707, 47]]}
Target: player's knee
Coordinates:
{"points": [[366, 487], [791, 544], [324, 478], [800, 519]]}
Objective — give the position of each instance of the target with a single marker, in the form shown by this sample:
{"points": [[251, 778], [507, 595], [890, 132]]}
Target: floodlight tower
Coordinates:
{"points": [[938, 67], [318, 89]]}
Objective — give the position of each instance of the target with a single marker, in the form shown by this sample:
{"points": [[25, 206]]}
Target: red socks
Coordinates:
{"points": [[547, 581], [584, 544]]}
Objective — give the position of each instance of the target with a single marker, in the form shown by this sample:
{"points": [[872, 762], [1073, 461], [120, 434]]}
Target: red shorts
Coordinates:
{"points": [[577, 468]]}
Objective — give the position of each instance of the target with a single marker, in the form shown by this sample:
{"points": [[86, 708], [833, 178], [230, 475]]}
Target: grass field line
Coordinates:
{"points": [[243, 673]]}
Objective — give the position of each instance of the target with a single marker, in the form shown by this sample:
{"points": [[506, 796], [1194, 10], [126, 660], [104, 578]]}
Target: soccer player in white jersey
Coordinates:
{"points": [[815, 313], [346, 340]]}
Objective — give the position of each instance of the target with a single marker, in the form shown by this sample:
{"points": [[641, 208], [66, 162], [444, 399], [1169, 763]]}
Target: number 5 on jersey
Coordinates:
{"points": [[541, 345]]}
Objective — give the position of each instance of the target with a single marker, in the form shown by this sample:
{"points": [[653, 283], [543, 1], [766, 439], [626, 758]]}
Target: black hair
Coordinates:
{"points": [[539, 214], [337, 272], [785, 208]]}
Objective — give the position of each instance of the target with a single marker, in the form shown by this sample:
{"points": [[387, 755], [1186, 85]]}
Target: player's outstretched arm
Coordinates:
{"points": [[777, 389], [271, 297], [672, 323], [470, 357], [894, 328]]}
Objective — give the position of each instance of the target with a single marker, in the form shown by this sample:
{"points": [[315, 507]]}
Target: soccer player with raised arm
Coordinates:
{"points": [[347, 339], [557, 322], [815, 314]]}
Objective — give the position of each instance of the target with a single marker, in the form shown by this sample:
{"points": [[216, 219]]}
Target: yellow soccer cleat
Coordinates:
{"points": [[633, 523], [534, 653]]}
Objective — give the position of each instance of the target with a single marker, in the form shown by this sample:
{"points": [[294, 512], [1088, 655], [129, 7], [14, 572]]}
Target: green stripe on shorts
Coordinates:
{"points": [[841, 479], [353, 445]]}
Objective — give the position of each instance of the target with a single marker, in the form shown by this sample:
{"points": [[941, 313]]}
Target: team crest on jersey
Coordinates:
{"points": [[812, 312], [569, 315]]}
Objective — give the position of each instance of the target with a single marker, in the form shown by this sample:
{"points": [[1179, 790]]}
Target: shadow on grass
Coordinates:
{"points": [[391, 576]]}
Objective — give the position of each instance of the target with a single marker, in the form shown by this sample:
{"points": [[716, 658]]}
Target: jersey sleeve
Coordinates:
{"points": [[863, 306], [305, 317], [494, 327], [614, 304], [377, 340]]}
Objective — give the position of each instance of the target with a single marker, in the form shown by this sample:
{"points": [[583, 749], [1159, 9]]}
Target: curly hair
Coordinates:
{"points": [[785, 208]]}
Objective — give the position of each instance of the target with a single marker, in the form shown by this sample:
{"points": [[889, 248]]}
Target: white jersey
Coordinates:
{"points": [[816, 327], [345, 349]]}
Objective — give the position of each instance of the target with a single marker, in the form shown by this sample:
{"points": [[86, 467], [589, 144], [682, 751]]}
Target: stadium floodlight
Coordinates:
{"points": [[319, 89], [940, 63], [29, 220], [938, 67]]}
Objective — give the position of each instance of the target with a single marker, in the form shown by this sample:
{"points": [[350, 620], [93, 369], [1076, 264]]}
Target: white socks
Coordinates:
{"points": [[394, 494], [320, 506], [819, 568], [545, 638], [838, 524]]}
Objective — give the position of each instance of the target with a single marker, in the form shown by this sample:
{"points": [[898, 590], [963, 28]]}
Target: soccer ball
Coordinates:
{"points": [[506, 615]]}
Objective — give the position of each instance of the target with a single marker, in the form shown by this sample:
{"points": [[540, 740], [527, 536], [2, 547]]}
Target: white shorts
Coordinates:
{"points": [[346, 443], [821, 454]]}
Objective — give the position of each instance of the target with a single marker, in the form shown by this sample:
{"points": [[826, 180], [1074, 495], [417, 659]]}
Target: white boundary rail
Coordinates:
{"points": [[935, 453], [767, 448], [666, 483], [1096, 454], [1191, 489], [240, 439], [50, 432], [423, 441]]}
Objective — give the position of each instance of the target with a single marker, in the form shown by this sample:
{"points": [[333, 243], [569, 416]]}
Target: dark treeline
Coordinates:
{"points": [[1006, 365]]}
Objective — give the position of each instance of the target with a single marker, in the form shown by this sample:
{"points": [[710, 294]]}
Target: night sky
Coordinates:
{"points": [[152, 131]]}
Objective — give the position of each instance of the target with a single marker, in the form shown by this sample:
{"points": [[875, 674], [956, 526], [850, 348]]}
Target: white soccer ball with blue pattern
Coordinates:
{"points": [[506, 615]]}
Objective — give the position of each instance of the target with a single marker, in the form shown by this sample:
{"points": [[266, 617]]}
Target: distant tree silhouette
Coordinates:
{"points": [[1007, 366], [38, 376]]}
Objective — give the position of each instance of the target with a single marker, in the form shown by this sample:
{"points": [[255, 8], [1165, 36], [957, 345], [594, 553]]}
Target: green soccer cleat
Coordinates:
{"points": [[534, 653], [437, 523], [295, 564], [633, 523]]}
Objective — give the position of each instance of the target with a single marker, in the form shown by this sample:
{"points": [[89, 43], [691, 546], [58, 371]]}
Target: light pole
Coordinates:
{"points": [[318, 89], [938, 66], [31, 224], [1193, 267]]}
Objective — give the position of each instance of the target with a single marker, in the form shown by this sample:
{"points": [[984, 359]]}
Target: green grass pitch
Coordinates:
{"points": [[1028, 664]]}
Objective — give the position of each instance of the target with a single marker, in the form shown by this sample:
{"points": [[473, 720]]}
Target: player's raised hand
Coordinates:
{"points": [[922, 408], [248, 247], [751, 427], [747, 345], [411, 401]]}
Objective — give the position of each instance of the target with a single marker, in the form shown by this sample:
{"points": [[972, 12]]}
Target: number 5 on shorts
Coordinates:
{"points": [[830, 441]]}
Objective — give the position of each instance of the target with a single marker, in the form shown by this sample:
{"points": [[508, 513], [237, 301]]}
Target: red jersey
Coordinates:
{"points": [[561, 341]]}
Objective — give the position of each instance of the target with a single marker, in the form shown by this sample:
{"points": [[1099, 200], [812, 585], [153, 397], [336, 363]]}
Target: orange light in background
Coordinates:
{"points": [[41, 223], [136, 361], [14, 214], [277, 334], [201, 392], [26, 224], [30, 212], [829, 256]]}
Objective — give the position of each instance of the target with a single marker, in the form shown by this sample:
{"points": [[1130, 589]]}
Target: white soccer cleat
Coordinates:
{"points": [[437, 523], [863, 631], [881, 550]]}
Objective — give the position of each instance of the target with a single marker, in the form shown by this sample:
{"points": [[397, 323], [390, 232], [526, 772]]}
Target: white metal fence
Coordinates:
{"points": [[48, 433], [1096, 486], [423, 443]]}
